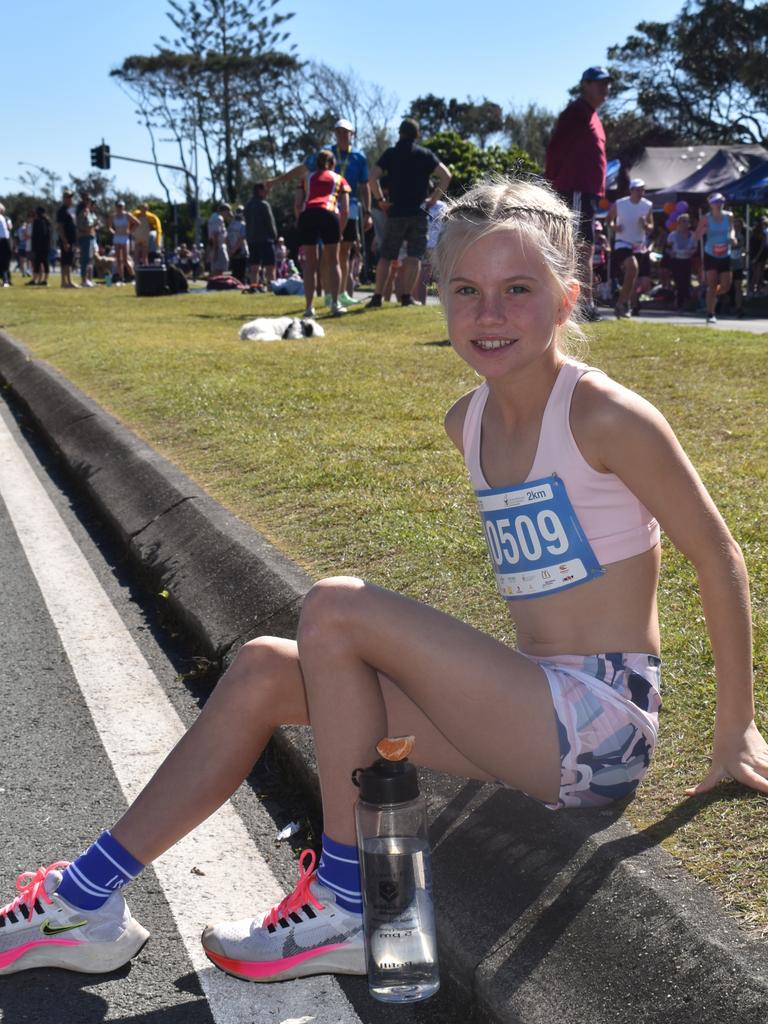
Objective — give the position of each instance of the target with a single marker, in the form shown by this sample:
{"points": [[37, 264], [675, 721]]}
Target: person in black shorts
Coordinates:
{"points": [[41, 247], [409, 169], [322, 207], [66, 229], [260, 234]]}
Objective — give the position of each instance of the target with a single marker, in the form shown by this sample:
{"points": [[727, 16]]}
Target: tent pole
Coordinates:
{"points": [[746, 260]]}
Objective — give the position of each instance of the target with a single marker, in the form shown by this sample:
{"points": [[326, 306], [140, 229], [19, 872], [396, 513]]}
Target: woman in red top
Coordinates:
{"points": [[324, 205]]}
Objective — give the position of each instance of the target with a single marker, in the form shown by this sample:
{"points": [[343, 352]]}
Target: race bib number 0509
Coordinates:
{"points": [[535, 541]]}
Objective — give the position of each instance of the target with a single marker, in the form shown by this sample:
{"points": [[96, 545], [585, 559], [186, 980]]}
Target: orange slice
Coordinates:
{"points": [[395, 748]]}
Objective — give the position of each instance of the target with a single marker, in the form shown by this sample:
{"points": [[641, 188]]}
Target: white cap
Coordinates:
{"points": [[344, 123], [637, 183]]}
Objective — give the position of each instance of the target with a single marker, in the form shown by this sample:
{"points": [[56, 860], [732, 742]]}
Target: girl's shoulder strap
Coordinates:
{"points": [[471, 434]]}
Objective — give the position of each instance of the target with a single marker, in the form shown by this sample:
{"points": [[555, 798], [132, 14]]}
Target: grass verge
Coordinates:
{"points": [[334, 450]]}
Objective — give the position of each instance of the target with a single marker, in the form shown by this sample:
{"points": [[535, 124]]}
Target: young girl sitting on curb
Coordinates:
{"points": [[574, 476]]}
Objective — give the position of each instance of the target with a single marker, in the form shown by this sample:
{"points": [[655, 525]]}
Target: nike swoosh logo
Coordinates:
{"points": [[54, 929]]}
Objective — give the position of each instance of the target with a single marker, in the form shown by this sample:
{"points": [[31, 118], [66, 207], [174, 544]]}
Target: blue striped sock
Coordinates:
{"points": [[104, 868], [339, 871]]}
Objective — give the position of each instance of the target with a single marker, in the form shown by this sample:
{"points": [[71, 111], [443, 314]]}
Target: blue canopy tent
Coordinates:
{"points": [[717, 170], [752, 188]]}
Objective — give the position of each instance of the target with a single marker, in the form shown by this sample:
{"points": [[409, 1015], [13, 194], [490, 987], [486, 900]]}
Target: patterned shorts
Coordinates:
{"points": [[607, 712]]}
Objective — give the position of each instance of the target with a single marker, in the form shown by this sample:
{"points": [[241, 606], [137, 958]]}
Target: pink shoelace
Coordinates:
{"points": [[31, 885], [300, 895]]}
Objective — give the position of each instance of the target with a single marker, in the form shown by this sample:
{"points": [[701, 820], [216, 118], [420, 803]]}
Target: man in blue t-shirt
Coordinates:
{"points": [[409, 169], [352, 165]]}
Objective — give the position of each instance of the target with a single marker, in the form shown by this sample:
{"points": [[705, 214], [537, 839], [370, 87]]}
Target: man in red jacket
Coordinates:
{"points": [[576, 165]]}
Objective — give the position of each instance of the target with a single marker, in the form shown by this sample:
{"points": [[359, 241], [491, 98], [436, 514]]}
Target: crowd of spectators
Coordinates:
{"points": [[353, 223]]}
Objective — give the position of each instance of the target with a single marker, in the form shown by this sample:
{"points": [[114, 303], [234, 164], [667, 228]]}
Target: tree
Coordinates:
{"points": [[700, 78], [475, 119], [468, 162], [326, 93], [432, 114], [530, 128], [220, 83]]}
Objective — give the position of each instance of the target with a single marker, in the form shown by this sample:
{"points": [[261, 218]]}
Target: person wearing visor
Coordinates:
{"points": [[632, 219], [716, 227], [576, 164]]}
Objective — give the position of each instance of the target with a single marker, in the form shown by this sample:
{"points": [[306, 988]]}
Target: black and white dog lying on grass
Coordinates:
{"points": [[273, 328]]}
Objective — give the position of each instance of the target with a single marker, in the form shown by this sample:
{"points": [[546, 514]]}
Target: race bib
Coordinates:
{"points": [[720, 250], [535, 541]]}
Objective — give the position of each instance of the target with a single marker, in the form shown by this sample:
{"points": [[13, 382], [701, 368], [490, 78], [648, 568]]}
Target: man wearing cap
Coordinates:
{"points": [[352, 165], [66, 229], [576, 163], [632, 220], [717, 227]]}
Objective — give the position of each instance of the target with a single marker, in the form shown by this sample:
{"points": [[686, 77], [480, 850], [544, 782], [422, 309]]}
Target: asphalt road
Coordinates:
{"points": [[94, 688]]}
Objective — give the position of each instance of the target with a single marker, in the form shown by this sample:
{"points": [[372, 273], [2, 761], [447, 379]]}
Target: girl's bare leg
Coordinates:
{"points": [[332, 273], [262, 688], [309, 273], [476, 707]]}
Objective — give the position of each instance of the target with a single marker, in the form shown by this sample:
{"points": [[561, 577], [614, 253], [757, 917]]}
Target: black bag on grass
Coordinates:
{"points": [[175, 280]]}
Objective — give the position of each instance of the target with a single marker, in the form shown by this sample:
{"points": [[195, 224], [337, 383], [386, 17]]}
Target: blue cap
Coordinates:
{"points": [[596, 74]]}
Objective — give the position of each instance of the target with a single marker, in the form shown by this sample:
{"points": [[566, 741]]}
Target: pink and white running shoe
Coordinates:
{"points": [[307, 933], [40, 929]]}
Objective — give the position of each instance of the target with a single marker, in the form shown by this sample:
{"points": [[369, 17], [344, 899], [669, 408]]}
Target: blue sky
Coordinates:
{"points": [[60, 100]]}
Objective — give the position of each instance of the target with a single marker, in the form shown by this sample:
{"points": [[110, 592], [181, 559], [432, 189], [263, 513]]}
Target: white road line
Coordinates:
{"points": [[138, 726]]}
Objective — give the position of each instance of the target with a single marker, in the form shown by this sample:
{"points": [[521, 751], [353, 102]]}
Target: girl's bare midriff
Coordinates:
{"points": [[616, 612]]}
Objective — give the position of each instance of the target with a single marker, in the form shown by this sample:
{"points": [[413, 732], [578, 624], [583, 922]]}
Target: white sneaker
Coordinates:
{"points": [[308, 314], [337, 309], [40, 929], [305, 934], [87, 284]]}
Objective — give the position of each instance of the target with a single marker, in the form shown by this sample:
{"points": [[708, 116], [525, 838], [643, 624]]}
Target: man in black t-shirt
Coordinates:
{"points": [[409, 169], [66, 229], [261, 235]]}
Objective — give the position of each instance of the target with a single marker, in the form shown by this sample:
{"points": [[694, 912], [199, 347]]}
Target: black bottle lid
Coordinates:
{"points": [[387, 782]]}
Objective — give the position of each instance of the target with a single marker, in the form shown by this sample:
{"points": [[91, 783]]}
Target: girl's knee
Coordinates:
{"points": [[329, 607], [260, 663], [264, 683]]}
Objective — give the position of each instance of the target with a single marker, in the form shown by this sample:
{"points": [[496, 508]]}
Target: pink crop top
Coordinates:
{"points": [[616, 524]]}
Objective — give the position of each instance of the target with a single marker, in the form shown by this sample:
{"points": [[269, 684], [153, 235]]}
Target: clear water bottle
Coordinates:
{"points": [[398, 913]]}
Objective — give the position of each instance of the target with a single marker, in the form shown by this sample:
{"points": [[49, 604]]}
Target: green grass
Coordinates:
{"points": [[334, 450]]}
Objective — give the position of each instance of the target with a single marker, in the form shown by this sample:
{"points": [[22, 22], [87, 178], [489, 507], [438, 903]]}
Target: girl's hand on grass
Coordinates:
{"points": [[740, 754]]}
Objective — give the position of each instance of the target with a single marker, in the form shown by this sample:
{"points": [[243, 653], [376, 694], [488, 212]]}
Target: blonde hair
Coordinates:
{"points": [[538, 217]]}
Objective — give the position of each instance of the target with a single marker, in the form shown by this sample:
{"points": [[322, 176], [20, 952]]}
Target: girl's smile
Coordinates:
{"points": [[500, 303]]}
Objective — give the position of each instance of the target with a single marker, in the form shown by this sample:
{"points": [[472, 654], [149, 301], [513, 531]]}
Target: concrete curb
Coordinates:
{"points": [[567, 918]]}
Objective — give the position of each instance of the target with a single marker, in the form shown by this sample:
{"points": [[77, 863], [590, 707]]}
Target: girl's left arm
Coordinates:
{"points": [[638, 445]]}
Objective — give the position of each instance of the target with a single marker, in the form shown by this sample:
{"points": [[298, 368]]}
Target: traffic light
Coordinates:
{"points": [[100, 157]]}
